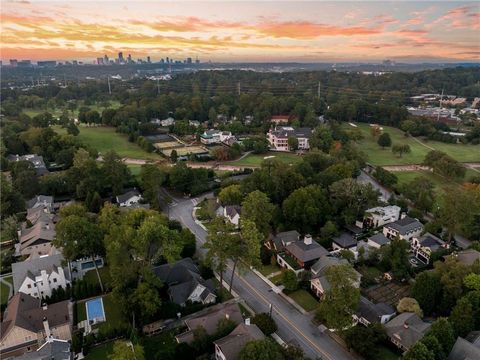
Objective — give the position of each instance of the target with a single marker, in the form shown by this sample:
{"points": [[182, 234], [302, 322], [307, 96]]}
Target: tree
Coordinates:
{"points": [[264, 349], [292, 143], [289, 280], [395, 255], [401, 149], [10, 228], [407, 304], [365, 340], [123, 350], [385, 177], [265, 323], [384, 140], [442, 330], [421, 192], [461, 318], [322, 138], [341, 299], [173, 156], [445, 165], [25, 179], [151, 180], [427, 290], [472, 281], [306, 208], [433, 345], [116, 173], [231, 195], [257, 208], [293, 352], [146, 298], [72, 129], [419, 352]]}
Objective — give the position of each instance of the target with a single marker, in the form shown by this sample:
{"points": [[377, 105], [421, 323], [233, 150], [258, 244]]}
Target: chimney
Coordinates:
{"points": [[46, 327], [44, 306], [403, 215], [247, 321], [405, 325], [227, 316], [307, 239]]}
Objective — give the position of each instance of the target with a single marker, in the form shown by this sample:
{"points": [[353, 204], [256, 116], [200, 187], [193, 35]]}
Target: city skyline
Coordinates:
{"points": [[242, 31]]}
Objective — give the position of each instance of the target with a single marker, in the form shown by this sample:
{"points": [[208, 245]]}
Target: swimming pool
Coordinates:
{"points": [[95, 311]]}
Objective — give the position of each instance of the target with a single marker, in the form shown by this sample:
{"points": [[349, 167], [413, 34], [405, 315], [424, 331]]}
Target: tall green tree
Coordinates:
{"points": [[384, 140], [123, 350], [151, 180], [257, 208], [427, 291], [419, 352], [116, 173], [231, 195], [461, 318], [442, 330], [265, 349]]}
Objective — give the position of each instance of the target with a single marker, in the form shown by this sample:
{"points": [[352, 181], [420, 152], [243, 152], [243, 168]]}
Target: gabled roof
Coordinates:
{"points": [[53, 349], [464, 350], [373, 312], [232, 344], [304, 252], [405, 225], [32, 268], [345, 240], [431, 241], [325, 262], [379, 239], [407, 328], [128, 195], [285, 238], [232, 210], [27, 312], [42, 230], [40, 200], [287, 131], [467, 257]]}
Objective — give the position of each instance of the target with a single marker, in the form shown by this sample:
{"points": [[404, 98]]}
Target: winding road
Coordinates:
{"points": [[293, 326]]}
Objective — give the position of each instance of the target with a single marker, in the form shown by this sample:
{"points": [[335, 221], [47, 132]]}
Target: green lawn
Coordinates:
{"points": [[57, 112], [377, 156], [113, 312], [104, 139], [5, 290], [268, 269], [384, 353], [277, 279], [100, 352], [92, 278], [81, 311], [257, 159], [160, 347], [135, 169], [304, 299]]}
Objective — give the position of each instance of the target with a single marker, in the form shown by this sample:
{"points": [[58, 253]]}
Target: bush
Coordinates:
{"points": [[265, 323], [290, 281], [265, 255]]}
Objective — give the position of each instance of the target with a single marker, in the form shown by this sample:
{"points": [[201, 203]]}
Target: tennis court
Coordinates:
{"points": [[95, 310]]}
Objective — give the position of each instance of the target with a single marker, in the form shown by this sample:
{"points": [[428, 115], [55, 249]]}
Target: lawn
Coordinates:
{"points": [[268, 269], [304, 299], [100, 352], [113, 312], [384, 353], [5, 290], [135, 169], [92, 278], [377, 156], [57, 112], [81, 311], [257, 159], [160, 347]]}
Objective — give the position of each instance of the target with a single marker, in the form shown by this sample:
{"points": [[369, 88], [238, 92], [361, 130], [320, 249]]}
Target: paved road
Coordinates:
{"points": [[293, 326], [364, 178]]}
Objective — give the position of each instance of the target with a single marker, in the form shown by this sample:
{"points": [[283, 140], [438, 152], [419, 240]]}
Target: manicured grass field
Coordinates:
{"points": [[92, 278], [4, 289], [81, 312], [113, 313], [100, 352], [104, 139], [268, 269], [135, 169], [304, 299], [257, 159], [377, 156], [57, 112]]}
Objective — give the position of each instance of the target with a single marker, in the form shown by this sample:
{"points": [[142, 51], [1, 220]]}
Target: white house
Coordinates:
{"points": [[381, 215], [424, 246], [39, 276], [406, 228], [232, 213], [129, 198], [278, 137], [368, 312], [210, 137]]}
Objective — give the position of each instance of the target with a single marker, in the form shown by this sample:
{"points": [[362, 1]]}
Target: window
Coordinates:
{"points": [[54, 280], [29, 286]]}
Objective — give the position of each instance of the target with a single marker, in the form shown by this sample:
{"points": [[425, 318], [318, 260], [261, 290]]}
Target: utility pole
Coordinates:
{"points": [[440, 107], [109, 88], [64, 80], [318, 90], [238, 88], [158, 86]]}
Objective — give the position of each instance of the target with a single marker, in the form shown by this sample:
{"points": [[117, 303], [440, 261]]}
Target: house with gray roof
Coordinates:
{"points": [[464, 350], [424, 246], [209, 319], [43, 201], [344, 241], [278, 242], [369, 313], [232, 213], [230, 346], [278, 137], [405, 229], [36, 160], [185, 284], [380, 216], [466, 257], [319, 283], [39, 276], [37, 239], [300, 255], [378, 240], [129, 198], [406, 329], [53, 349]]}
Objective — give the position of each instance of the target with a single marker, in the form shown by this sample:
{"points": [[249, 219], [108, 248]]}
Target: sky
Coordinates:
{"points": [[239, 31]]}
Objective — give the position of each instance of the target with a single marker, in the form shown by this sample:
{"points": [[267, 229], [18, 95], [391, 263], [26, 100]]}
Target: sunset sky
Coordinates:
{"points": [[242, 31]]}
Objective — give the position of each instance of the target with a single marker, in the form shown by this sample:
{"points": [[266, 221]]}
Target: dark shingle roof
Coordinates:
{"points": [[407, 328], [464, 350], [53, 349], [304, 252], [345, 241], [431, 241], [232, 344], [373, 312], [129, 194], [379, 239], [232, 210], [405, 225]]}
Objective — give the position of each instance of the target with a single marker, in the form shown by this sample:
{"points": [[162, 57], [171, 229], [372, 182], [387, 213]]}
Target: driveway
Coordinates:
{"points": [[292, 325]]}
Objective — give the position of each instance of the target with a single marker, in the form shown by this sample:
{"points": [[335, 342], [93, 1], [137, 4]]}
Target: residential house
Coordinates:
{"points": [[37, 239], [318, 282], [230, 346], [232, 213], [278, 242], [166, 122], [40, 213], [185, 284], [194, 123], [378, 240], [278, 137], [280, 119], [464, 350], [369, 313], [129, 198], [406, 329], [344, 242], [406, 228], [466, 257], [42, 201], [52, 349], [300, 255], [211, 137], [380, 216], [36, 160], [39, 276], [427, 244], [27, 324], [209, 319]]}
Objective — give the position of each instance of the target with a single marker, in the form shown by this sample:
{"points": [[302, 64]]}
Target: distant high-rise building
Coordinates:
{"points": [[13, 62], [197, 61], [162, 61], [24, 63], [189, 60], [47, 63], [105, 60], [148, 60], [99, 61], [168, 60], [129, 59], [75, 62], [121, 60]]}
